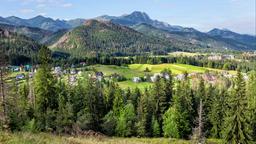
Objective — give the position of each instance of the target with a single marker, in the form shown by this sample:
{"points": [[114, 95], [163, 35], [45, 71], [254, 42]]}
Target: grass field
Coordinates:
{"points": [[188, 54], [137, 70], [175, 68], [43, 138]]}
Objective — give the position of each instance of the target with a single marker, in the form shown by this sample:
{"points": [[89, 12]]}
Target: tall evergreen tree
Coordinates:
{"points": [[181, 119], [125, 121], [237, 129], [46, 98], [217, 112], [251, 94], [142, 116]]}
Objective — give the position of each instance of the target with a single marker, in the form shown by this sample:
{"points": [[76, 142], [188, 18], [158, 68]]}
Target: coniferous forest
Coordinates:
{"points": [[102, 72], [182, 109]]}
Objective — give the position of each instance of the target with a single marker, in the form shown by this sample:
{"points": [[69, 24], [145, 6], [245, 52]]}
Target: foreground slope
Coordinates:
{"points": [[44, 138]]}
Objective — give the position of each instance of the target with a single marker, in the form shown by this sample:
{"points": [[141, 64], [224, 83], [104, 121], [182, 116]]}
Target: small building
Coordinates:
{"points": [[215, 57], [73, 72], [20, 77], [136, 79], [57, 70], [229, 57], [180, 77], [166, 75], [155, 77], [15, 68], [99, 76]]}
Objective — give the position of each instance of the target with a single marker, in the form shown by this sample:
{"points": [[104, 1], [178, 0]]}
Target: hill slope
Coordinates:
{"points": [[240, 39], [19, 48], [105, 37], [194, 39]]}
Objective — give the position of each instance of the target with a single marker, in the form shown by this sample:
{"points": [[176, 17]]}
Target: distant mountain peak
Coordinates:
{"points": [[139, 16]]}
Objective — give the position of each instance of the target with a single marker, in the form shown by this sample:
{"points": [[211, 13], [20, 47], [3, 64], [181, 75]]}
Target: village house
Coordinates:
{"points": [[226, 74], [155, 77], [180, 77], [73, 72], [136, 79], [20, 77], [99, 76], [215, 57], [57, 70]]}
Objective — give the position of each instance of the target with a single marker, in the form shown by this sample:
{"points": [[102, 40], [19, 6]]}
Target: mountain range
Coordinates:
{"points": [[109, 33]]}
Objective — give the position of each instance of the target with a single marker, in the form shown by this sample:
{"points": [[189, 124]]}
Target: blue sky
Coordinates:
{"points": [[236, 15]]}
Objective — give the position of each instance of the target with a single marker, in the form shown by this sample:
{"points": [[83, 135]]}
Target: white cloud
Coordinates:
{"points": [[42, 14], [41, 5], [26, 11], [66, 5]]}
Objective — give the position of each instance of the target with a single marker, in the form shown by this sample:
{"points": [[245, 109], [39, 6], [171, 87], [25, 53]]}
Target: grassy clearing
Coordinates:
{"points": [[44, 138], [125, 71], [188, 54], [175, 68], [137, 70], [132, 85]]}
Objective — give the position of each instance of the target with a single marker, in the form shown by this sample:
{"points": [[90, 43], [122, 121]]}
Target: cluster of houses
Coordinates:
{"points": [[153, 78], [221, 57], [23, 68], [208, 77]]}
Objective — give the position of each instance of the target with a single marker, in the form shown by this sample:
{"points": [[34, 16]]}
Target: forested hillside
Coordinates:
{"points": [[105, 37], [20, 49]]}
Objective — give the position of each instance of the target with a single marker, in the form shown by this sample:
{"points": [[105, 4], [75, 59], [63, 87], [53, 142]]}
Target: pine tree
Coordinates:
{"points": [[95, 103], [135, 96], [160, 99], [237, 128], [65, 116], [46, 98], [251, 94], [109, 95], [142, 116], [217, 112], [182, 119], [170, 125], [118, 102], [125, 121], [109, 123], [155, 127]]}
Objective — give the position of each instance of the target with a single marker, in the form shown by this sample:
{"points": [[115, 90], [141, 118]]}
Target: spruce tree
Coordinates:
{"points": [[125, 121], [217, 112], [155, 127], [237, 129], [142, 116], [46, 98], [170, 125], [251, 94], [181, 119]]}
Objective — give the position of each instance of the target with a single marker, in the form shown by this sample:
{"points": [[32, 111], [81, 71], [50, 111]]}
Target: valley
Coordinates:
{"points": [[127, 79]]}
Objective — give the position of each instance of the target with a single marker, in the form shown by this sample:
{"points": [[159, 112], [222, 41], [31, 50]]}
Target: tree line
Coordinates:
{"points": [[201, 61], [170, 108]]}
